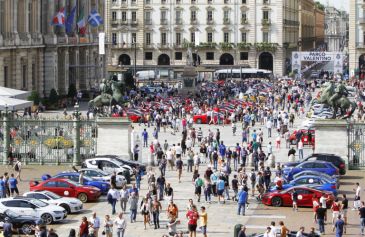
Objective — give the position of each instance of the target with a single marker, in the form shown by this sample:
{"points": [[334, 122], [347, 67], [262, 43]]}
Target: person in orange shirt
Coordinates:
{"points": [[283, 230]]}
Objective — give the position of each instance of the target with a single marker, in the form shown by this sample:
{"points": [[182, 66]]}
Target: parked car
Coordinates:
{"points": [[332, 158], [67, 188], [49, 213], [74, 176], [290, 234], [320, 166], [107, 164], [71, 205], [332, 179], [283, 198], [101, 175], [311, 181], [123, 160], [23, 224], [305, 137]]}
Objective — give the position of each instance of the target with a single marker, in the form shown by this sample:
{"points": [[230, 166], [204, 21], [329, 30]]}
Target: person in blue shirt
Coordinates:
{"points": [[13, 183], [2, 188], [242, 200], [339, 227], [145, 138], [222, 150], [220, 189]]}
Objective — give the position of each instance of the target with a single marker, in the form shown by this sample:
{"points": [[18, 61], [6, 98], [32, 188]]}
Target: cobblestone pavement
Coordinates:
{"points": [[221, 217]]}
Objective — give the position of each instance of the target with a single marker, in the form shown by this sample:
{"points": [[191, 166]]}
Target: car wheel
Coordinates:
{"points": [[67, 208], [47, 218], [199, 121], [82, 197], [276, 201], [27, 229]]}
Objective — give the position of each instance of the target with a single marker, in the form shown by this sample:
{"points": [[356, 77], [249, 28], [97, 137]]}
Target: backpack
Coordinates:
{"points": [[253, 177], [16, 167]]}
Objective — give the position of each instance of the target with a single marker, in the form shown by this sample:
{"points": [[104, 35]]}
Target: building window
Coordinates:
{"points": [[163, 1], [178, 38], [124, 16], [148, 56], [24, 73], [134, 37], [210, 1], [114, 38], [266, 1], [124, 2], [243, 16], [163, 38], [178, 17], [6, 76], [210, 15], [148, 18], [226, 15], [178, 1], [265, 15], [163, 15], [178, 55], [265, 37], [193, 1], [114, 16], [244, 2], [192, 37], [209, 56], [133, 2], [226, 1], [226, 37], [148, 38], [210, 37], [148, 2], [243, 37], [243, 55], [193, 15], [134, 16], [33, 76]]}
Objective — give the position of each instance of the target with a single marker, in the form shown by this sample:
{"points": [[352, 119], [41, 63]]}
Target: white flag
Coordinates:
{"points": [[101, 43], [197, 39]]}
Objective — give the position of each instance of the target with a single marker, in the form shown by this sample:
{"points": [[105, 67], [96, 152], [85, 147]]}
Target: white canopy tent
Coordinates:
{"points": [[14, 93], [13, 104]]}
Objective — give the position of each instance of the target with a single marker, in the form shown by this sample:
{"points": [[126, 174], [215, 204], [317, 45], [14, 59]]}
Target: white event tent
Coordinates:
{"points": [[13, 99]]}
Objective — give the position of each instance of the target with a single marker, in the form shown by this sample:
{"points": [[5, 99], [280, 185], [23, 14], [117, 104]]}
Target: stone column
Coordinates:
{"points": [[50, 14], [17, 73], [2, 82], [76, 140]]}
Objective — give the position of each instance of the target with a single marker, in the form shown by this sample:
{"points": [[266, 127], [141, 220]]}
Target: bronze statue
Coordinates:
{"points": [[336, 98], [111, 93]]}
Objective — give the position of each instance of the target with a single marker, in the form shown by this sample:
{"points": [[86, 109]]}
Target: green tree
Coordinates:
{"points": [[34, 96], [53, 97], [72, 92]]}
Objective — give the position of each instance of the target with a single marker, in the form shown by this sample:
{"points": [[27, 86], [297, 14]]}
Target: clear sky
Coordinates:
{"points": [[339, 4]]}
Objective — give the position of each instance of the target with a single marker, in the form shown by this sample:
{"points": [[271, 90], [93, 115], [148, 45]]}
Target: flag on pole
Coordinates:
{"points": [[95, 19], [81, 23], [59, 19], [70, 20]]}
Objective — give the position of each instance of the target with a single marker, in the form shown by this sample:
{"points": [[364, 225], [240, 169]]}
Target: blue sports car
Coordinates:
{"points": [[319, 166], [310, 181], [74, 176]]}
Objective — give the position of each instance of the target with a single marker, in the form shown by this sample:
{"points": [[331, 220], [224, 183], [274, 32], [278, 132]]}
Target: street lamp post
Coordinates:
{"points": [[6, 126], [76, 125], [135, 59]]}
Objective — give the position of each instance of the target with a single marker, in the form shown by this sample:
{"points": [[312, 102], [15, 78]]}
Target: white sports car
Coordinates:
{"points": [[98, 174], [71, 205]]}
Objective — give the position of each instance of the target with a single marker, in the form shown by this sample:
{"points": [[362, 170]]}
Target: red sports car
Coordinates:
{"points": [[305, 137], [67, 188], [203, 119], [283, 198]]}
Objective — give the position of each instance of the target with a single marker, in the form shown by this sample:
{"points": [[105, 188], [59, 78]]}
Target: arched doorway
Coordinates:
{"points": [[196, 59], [163, 59], [124, 59], [266, 61], [226, 59]]}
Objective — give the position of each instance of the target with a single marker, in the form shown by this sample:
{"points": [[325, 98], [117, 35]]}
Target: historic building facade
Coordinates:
{"points": [[34, 55], [336, 29], [356, 36], [229, 33]]}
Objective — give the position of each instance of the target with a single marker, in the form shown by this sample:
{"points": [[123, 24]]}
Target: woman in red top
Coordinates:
{"points": [[84, 227], [335, 210], [193, 217]]}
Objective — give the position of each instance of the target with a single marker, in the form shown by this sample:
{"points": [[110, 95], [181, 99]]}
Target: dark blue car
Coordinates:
{"points": [[319, 166], [74, 176], [311, 181]]}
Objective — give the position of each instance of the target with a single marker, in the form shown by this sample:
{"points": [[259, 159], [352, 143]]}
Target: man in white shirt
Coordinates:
{"points": [[113, 196], [121, 224], [178, 151], [357, 202], [300, 149], [269, 127], [95, 224]]}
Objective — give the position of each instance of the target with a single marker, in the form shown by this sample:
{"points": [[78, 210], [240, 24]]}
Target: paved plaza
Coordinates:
{"points": [[221, 217]]}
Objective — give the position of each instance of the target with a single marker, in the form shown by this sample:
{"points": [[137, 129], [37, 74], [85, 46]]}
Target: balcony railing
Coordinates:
{"points": [[179, 46], [360, 45], [163, 45], [193, 21], [148, 21], [178, 21], [125, 45], [210, 21], [244, 21], [226, 21], [149, 46], [266, 2]]}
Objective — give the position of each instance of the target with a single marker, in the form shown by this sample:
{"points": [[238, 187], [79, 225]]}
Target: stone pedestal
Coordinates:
{"points": [[114, 137], [331, 137]]}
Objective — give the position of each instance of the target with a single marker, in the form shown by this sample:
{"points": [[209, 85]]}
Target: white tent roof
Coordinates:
{"points": [[14, 93], [14, 104]]}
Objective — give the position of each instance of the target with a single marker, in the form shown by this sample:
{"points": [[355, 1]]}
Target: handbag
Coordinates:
{"points": [[103, 233]]}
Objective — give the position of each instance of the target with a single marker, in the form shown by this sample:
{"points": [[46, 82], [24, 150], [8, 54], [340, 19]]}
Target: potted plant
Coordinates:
{"points": [[244, 45], [226, 46]]}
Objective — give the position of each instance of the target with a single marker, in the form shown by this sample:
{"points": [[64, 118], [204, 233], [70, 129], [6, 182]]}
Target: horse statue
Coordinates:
{"points": [[336, 97]]}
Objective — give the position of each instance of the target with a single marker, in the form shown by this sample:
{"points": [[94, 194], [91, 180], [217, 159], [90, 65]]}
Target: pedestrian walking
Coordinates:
{"points": [[84, 227], [133, 206], [335, 210], [300, 150], [320, 218], [357, 202], [220, 189], [146, 211], [95, 224], [156, 209], [242, 201], [193, 217], [203, 221], [198, 182], [145, 138], [362, 217], [108, 226], [179, 168], [18, 169], [339, 227], [344, 208], [13, 183], [120, 224], [112, 197]]}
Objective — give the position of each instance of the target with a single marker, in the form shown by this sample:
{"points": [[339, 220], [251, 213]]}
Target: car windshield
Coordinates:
{"points": [[11, 213], [38, 203], [52, 195], [74, 183]]}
